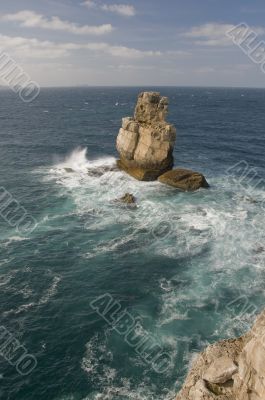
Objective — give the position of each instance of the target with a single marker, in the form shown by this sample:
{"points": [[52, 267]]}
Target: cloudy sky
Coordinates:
{"points": [[134, 42]]}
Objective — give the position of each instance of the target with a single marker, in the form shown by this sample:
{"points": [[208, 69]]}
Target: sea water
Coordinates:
{"points": [[188, 266]]}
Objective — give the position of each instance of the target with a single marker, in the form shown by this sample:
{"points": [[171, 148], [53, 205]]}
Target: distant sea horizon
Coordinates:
{"points": [[142, 86]]}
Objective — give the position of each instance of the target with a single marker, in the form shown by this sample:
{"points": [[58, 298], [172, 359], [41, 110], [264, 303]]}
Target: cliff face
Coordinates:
{"points": [[230, 370], [146, 142]]}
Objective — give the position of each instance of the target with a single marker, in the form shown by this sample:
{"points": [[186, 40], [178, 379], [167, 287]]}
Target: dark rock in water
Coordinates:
{"points": [[201, 211], [97, 172], [184, 179], [251, 200], [128, 198], [69, 170], [145, 143], [259, 249], [126, 201]]}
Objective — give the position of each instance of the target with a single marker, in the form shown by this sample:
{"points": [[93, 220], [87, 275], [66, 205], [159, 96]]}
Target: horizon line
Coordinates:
{"points": [[141, 86]]}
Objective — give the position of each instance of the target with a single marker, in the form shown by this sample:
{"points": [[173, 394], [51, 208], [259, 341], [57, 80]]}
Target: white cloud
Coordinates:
{"points": [[211, 34], [224, 41], [30, 19], [126, 52], [214, 34], [178, 53], [34, 48], [121, 9], [126, 67], [89, 4], [208, 30], [126, 10]]}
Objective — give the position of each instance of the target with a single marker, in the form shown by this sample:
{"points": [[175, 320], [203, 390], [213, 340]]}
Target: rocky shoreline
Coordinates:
{"points": [[230, 370], [146, 143]]}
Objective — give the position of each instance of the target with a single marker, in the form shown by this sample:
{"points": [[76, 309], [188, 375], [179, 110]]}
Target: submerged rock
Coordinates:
{"points": [[184, 179], [128, 198], [100, 171], [259, 250], [146, 142], [128, 201], [230, 370], [69, 170]]}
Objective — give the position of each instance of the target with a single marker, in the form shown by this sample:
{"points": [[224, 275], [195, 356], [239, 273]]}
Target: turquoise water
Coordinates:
{"points": [[185, 265]]}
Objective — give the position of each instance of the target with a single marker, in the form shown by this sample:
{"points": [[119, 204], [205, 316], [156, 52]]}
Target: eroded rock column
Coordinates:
{"points": [[146, 141]]}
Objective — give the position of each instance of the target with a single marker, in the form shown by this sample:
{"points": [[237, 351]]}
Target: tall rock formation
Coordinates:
{"points": [[230, 370], [146, 141]]}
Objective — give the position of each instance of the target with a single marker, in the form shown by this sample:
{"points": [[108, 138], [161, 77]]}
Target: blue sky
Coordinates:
{"points": [[134, 42]]}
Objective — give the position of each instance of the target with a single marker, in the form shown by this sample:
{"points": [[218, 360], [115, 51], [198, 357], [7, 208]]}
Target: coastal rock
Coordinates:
{"points": [[184, 179], [100, 171], [220, 361], [140, 173], [69, 170], [146, 141], [128, 198], [127, 201], [200, 392], [221, 370]]}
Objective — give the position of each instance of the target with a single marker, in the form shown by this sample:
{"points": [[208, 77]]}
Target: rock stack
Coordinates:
{"points": [[146, 142]]}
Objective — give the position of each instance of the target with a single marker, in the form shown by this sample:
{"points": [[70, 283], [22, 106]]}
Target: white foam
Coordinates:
{"points": [[44, 299], [97, 363], [51, 291], [5, 279], [13, 239], [78, 162], [217, 232], [143, 392]]}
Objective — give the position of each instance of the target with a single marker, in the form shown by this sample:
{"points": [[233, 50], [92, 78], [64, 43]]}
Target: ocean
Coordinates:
{"points": [[188, 267]]}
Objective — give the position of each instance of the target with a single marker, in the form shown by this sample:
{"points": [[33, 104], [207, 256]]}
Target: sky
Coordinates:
{"points": [[132, 42]]}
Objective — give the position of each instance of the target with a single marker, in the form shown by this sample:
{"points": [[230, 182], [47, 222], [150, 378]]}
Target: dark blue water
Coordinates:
{"points": [[179, 285]]}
